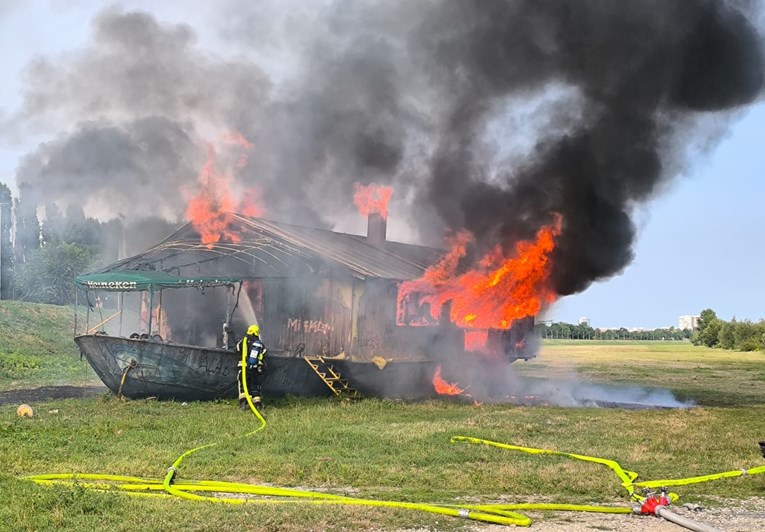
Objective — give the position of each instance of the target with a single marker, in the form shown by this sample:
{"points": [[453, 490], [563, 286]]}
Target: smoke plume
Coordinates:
{"points": [[489, 116], [639, 74]]}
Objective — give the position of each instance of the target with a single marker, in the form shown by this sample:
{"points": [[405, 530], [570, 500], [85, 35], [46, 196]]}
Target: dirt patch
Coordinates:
{"points": [[44, 393]]}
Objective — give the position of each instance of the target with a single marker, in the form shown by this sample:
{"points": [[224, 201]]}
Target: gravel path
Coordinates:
{"points": [[727, 515]]}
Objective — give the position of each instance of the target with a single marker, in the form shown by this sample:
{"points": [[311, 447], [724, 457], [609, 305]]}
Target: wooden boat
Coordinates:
{"points": [[140, 368], [328, 304]]}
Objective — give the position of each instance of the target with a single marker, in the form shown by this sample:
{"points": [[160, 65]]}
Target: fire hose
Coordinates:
{"points": [[173, 469], [504, 514], [650, 503], [690, 524], [188, 490]]}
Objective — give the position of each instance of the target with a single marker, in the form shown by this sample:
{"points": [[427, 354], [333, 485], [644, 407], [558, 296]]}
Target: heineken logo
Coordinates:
{"points": [[116, 285]]}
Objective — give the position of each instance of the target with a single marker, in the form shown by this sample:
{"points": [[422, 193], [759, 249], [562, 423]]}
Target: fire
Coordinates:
{"points": [[476, 340], [206, 209], [372, 198], [251, 203], [444, 388], [497, 291], [234, 137]]}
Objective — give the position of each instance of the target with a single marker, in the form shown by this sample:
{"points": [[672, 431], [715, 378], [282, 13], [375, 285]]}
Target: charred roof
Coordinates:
{"points": [[259, 248]]}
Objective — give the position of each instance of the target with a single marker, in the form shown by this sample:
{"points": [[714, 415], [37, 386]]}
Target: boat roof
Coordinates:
{"points": [[260, 248]]}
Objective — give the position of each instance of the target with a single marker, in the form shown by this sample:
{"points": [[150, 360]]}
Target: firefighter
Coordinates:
{"points": [[254, 349]]}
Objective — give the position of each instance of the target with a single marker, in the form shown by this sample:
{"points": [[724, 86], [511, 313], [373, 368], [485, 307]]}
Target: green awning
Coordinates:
{"points": [[139, 280]]}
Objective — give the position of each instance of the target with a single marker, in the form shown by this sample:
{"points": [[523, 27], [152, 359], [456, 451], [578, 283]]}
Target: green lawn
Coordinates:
{"points": [[389, 449], [36, 347], [710, 377]]}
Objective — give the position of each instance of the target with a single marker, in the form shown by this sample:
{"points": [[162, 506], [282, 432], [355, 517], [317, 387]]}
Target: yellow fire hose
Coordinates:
{"points": [[490, 513], [627, 477], [504, 514], [167, 483]]}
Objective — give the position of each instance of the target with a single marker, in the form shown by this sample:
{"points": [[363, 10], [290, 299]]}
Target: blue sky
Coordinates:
{"points": [[700, 241]]}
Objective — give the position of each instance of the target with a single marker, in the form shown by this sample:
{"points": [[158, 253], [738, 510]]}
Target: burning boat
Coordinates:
{"points": [[334, 309]]}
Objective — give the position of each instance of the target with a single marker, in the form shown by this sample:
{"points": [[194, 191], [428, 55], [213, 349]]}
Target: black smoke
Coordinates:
{"points": [[489, 116], [642, 71], [126, 118]]}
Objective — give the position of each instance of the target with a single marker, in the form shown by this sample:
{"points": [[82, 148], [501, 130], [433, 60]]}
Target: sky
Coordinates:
{"points": [[700, 240], [700, 244]]}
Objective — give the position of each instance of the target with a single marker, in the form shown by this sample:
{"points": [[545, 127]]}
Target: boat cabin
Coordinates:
{"points": [[314, 292]]}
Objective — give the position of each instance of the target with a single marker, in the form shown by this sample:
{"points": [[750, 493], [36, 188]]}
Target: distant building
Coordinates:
{"points": [[584, 321], [688, 322]]}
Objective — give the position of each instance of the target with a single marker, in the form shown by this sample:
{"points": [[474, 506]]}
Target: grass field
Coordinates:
{"points": [[709, 377], [36, 347], [383, 449]]}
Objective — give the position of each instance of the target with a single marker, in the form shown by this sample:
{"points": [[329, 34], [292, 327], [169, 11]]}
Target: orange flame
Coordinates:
{"points": [[476, 340], [206, 209], [499, 290], [251, 203], [372, 198], [444, 388], [234, 137]]}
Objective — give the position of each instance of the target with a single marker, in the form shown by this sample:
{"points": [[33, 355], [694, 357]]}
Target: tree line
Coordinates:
{"points": [[738, 335], [583, 331], [39, 260]]}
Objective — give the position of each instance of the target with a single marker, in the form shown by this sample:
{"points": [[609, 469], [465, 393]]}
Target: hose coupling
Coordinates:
{"points": [[464, 513], [172, 471]]}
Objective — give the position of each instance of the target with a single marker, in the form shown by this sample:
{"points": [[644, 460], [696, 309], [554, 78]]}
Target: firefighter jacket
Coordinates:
{"points": [[255, 351]]}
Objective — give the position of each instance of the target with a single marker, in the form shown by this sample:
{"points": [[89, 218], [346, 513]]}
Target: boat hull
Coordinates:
{"points": [[141, 368], [189, 373]]}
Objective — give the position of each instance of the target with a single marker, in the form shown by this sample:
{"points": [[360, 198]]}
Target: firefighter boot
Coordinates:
{"points": [[258, 404], [243, 404]]}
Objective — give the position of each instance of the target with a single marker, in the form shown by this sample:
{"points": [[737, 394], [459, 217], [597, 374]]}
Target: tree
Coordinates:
{"points": [[6, 249], [708, 330], [709, 336], [79, 229], [28, 234], [748, 335], [726, 336], [705, 318], [53, 226], [49, 272]]}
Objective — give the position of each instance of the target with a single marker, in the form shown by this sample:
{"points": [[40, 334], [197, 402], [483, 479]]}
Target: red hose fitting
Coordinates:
{"points": [[649, 505], [652, 501]]}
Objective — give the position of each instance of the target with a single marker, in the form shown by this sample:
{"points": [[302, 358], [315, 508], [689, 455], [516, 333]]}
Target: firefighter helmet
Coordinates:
{"points": [[253, 330]]}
